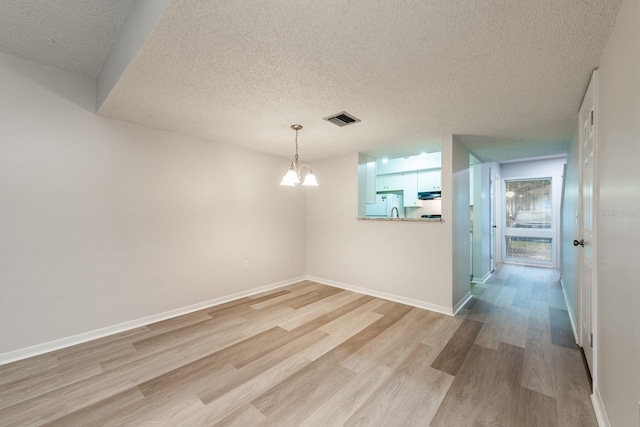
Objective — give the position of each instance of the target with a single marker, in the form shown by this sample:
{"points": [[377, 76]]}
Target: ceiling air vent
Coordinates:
{"points": [[342, 119]]}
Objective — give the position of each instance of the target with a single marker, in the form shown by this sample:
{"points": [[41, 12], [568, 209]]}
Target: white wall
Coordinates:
{"points": [[543, 168], [618, 122], [408, 261], [401, 259], [460, 217], [104, 222]]}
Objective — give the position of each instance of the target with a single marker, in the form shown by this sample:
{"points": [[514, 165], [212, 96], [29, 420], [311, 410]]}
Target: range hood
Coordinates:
{"points": [[428, 195]]}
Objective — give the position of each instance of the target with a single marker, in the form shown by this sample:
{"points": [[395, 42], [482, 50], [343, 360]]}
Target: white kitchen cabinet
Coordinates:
{"points": [[391, 182], [429, 181], [370, 181], [410, 189]]}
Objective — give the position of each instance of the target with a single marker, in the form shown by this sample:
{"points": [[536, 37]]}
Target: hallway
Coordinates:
{"points": [[524, 364]]}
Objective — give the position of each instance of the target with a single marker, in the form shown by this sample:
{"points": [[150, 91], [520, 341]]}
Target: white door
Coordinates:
{"points": [[492, 219], [585, 242]]}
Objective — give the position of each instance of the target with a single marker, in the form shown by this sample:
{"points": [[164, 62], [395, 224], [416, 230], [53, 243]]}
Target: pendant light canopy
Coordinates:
{"points": [[292, 177]]}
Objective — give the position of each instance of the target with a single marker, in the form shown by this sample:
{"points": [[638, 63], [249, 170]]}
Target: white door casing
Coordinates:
{"points": [[586, 241]]}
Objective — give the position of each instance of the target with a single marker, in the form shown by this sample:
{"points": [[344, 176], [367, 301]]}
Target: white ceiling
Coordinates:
{"points": [[71, 35], [506, 76]]}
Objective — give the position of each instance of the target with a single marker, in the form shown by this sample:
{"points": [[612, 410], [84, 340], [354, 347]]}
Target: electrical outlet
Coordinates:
{"points": [[245, 265]]}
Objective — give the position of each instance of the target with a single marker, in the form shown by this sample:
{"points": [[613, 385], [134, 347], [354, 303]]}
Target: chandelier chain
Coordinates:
{"points": [[296, 147]]}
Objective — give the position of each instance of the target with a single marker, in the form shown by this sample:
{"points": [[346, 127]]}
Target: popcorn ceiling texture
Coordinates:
{"points": [[506, 76], [73, 35]]}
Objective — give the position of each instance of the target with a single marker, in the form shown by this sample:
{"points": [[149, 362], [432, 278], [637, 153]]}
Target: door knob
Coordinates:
{"points": [[578, 242]]}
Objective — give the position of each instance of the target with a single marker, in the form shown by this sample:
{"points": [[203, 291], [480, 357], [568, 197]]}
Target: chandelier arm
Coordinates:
{"points": [[301, 166]]}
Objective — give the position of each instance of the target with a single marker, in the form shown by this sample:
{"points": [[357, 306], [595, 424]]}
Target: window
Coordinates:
{"points": [[529, 248], [528, 219], [528, 203]]}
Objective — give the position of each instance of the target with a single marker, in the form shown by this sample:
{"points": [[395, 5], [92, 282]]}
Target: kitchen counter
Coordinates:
{"points": [[401, 219]]}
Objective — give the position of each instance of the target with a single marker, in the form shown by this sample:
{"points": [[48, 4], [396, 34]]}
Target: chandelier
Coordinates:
{"points": [[292, 177]]}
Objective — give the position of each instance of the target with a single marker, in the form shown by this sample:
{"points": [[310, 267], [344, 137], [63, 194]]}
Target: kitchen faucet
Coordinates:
{"points": [[397, 213]]}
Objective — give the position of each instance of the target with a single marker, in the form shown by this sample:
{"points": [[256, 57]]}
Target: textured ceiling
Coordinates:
{"points": [[73, 35], [507, 76]]}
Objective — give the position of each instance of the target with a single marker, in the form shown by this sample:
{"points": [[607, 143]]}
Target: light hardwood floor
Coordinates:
{"points": [[313, 355]]}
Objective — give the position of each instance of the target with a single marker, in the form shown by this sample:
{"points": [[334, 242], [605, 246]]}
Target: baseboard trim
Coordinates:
{"points": [[483, 279], [572, 316], [58, 344], [462, 302], [390, 297], [598, 407]]}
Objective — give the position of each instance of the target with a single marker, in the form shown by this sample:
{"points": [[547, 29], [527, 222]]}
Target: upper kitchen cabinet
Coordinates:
{"points": [[410, 189], [429, 181], [392, 182], [408, 176]]}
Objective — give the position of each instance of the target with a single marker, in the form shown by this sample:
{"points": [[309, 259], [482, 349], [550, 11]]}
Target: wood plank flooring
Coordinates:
{"points": [[313, 355]]}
